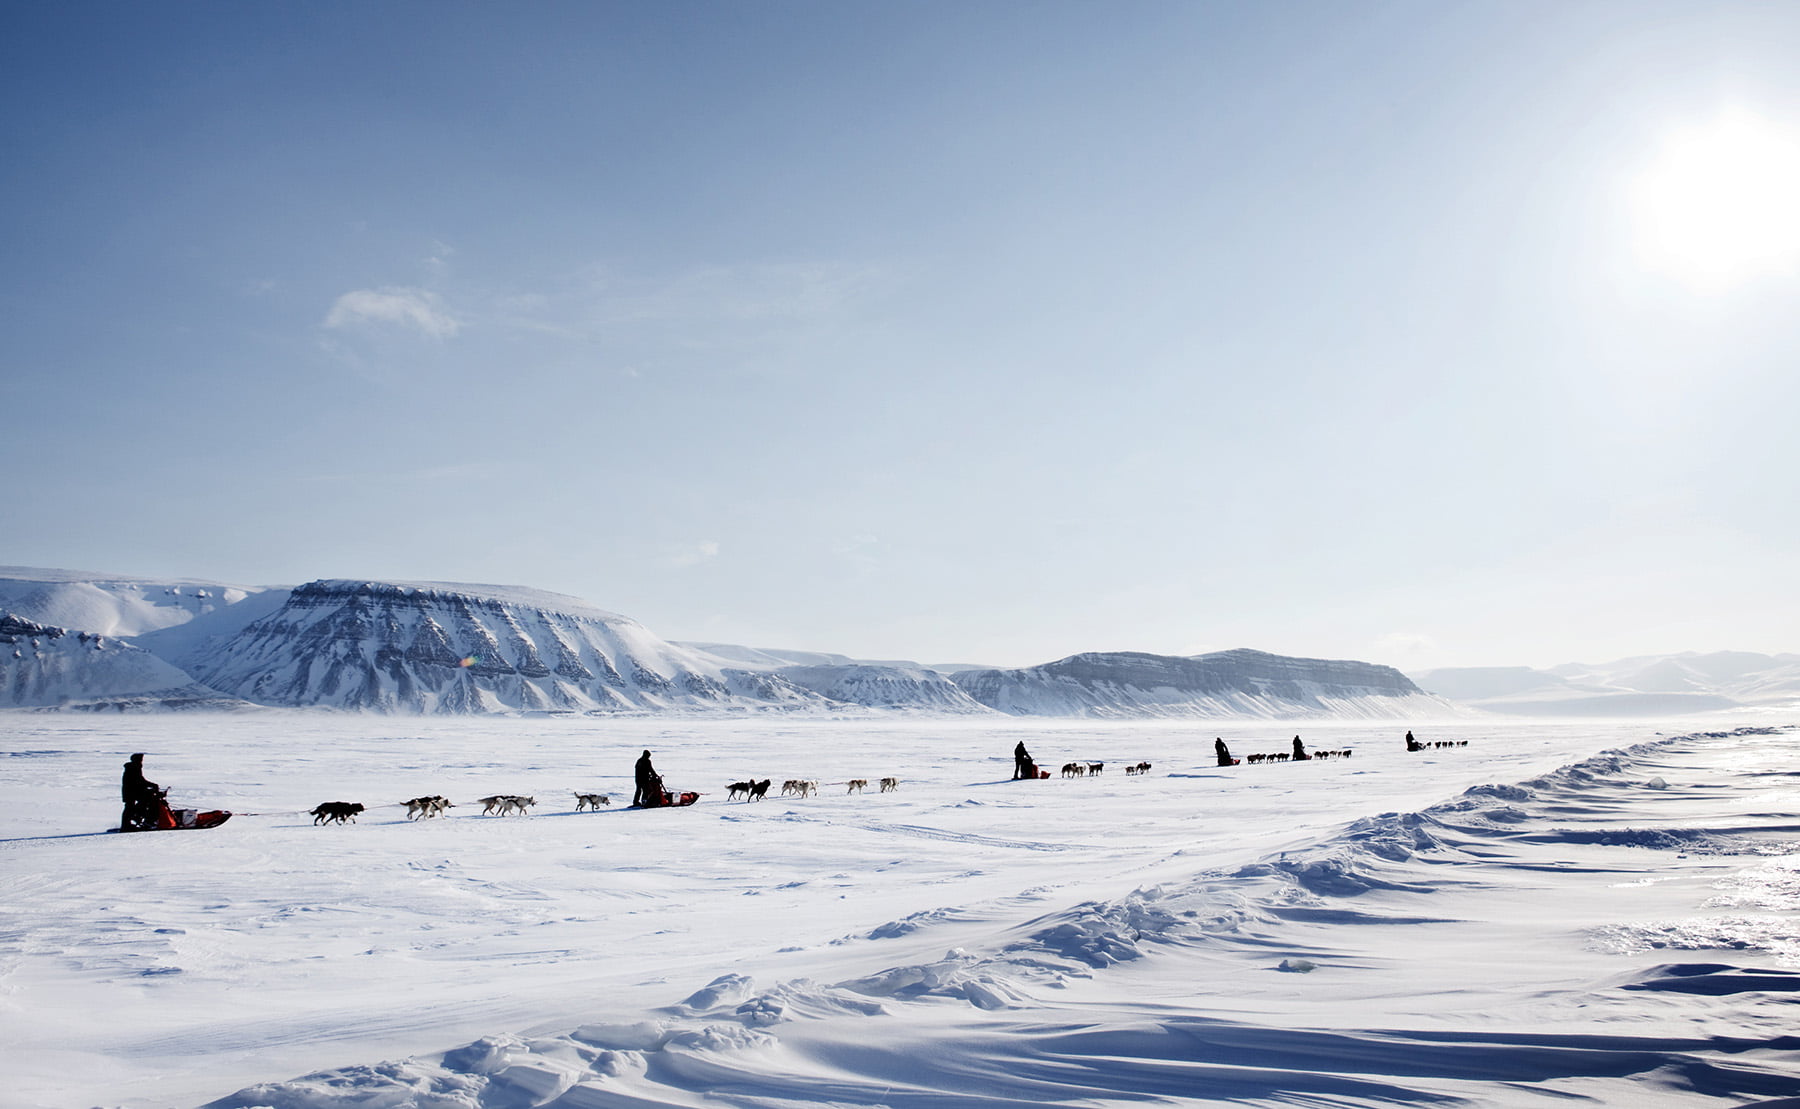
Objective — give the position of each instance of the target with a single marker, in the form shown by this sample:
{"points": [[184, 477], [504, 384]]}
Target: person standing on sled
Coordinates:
{"points": [[649, 784], [1413, 744], [1222, 751], [140, 795], [1300, 754], [1023, 767]]}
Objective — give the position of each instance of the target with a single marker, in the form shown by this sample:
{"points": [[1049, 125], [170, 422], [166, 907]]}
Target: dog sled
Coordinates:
{"points": [[663, 799], [165, 819]]}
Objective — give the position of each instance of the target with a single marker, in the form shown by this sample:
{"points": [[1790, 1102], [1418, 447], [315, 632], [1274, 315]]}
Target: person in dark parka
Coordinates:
{"points": [[649, 784], [1023, 767], [1413, 744], [1222, 751], [140, 795], [1300, 754]]}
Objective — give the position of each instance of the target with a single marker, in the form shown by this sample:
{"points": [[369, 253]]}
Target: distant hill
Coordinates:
{"points": [[45, 666], [1235, 683], [1641, 686], [113, 604]]}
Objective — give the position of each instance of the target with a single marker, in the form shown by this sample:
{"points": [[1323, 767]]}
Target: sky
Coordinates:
{"points": [[1424, 334]]}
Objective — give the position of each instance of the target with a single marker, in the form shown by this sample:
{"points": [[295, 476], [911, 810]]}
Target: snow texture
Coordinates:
{"points": [[1522, 921]]}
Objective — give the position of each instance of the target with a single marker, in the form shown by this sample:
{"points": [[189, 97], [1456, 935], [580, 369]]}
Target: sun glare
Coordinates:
{"points": [[1721, 204]]}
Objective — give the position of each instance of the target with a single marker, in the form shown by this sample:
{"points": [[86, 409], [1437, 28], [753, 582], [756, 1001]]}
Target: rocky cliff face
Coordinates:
{"points": [[1224, 684], [435, 647]]}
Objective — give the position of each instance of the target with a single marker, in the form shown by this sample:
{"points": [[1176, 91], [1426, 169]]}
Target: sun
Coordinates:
{"points": [[1720, 204]]}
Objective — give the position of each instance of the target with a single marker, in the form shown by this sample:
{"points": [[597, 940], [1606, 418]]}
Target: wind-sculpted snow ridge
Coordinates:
{"points": [[1027, 1016], [1225, 684], [438, 648]]}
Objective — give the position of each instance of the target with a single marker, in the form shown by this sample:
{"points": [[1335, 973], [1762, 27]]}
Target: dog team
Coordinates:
{"points": [[505, 804]]}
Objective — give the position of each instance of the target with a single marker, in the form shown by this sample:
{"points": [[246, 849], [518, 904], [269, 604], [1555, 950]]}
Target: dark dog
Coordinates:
{"points": [[340, 811], [757, 789]]}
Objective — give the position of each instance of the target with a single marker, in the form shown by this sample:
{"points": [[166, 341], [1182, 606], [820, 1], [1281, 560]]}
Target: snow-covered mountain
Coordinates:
{"points": [[451, 648], [1234, 683], [779, 658], [868, 683], [113, 604], [42, 665], [885, 687], [1640, 686], [110, 640]]}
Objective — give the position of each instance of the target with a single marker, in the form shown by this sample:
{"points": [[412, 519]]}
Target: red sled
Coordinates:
{"points": [[1043, 773], [176, 820], [673, 800]]}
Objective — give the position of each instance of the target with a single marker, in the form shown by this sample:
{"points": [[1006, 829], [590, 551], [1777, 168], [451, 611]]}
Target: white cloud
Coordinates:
{"points": [[418, 309], [693, 554], [1409, 647]]}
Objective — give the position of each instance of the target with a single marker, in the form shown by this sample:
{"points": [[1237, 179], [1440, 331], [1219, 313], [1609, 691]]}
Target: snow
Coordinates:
{"points": [[1522, 921], [116, 605]]}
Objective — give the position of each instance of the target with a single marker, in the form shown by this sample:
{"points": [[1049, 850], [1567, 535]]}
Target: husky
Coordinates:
{"points": [[340, 811], [591, 801], [889, 785], [421, 808]]}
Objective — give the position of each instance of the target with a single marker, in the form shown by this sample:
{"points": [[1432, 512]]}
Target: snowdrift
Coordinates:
{"points": [[1077, 1004], [1513, 923]]}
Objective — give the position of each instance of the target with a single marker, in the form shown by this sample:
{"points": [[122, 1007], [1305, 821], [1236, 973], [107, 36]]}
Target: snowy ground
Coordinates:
{"points": [[1344, 932]]}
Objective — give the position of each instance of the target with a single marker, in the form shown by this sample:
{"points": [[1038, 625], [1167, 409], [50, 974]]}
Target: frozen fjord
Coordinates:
{"points": [[1115, 938]]}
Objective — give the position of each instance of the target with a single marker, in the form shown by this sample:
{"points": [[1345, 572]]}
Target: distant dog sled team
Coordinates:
{"points": [[145, 808]]}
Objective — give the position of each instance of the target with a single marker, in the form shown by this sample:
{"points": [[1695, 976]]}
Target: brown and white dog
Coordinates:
{"points": [[591, 801], [421, 808]]}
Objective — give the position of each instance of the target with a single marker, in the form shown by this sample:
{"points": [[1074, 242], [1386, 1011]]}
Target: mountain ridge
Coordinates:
{"points": [[444, 647]]}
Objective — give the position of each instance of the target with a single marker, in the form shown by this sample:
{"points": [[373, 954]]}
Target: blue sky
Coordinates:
{"points": [[949, 331]]}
